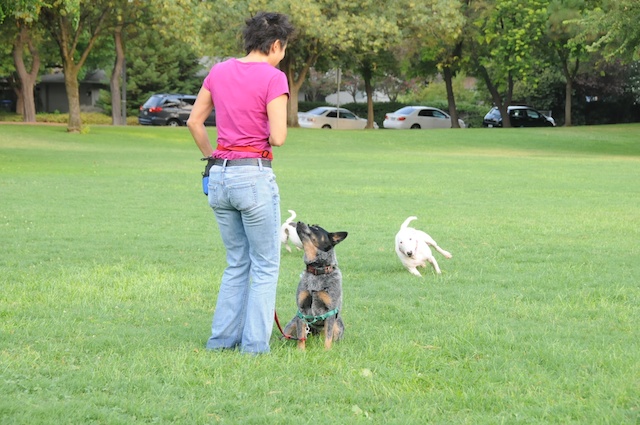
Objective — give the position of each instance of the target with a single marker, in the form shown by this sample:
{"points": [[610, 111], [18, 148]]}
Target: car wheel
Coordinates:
{"points": [[327, 126], [415, 127], [173, 123]]}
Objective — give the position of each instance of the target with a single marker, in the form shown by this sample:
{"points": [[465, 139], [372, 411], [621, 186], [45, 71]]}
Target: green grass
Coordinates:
{"points": [[110, 264]]}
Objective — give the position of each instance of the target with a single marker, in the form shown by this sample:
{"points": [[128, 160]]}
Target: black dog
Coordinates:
{"points": [[319, 294]]}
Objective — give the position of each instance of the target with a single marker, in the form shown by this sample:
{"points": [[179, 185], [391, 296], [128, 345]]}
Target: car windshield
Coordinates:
{"points": [[494, 113], [317, 111], [407, 110], [153, 101]]}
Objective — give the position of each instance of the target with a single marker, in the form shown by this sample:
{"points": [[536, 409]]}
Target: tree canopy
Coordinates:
{"points": [[164, 42]]}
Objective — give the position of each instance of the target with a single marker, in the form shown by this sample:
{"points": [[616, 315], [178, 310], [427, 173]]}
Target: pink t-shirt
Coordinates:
{"points": [[240, 93]]}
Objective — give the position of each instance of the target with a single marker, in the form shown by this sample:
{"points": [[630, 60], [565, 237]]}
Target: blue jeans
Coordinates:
{"points": [[246, 203]]}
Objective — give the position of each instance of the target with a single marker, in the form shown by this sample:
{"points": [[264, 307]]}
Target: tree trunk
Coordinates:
{"points": [[451, 100], [72, 86], [288, 67], [19, 101], [27, 106], [569, 75], [502, 105], [567, 102], [368, 88], [116, 98], [13, 80], [292, 113], [366, 70]]}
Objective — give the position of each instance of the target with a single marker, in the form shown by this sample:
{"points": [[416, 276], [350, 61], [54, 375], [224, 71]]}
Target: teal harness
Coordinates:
{"points": [[311, 320]]}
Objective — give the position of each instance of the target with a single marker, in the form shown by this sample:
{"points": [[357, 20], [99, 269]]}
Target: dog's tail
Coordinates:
{"points": [[293, 216], [407, 221]]}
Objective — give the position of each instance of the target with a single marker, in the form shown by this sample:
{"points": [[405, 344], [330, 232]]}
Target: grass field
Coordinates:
{"points": [[110, 263]]}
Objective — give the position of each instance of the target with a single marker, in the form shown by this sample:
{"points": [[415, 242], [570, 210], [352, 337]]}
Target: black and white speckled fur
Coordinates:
{"points": [[320, 287]]}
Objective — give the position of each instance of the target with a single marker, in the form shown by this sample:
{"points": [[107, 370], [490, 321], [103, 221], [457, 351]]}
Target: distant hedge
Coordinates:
{"points": [[88, 118]]}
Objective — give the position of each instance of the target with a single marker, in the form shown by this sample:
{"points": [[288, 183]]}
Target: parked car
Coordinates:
{"points": [[417, 117], [169, 109], [332, 117], [520, 116]]}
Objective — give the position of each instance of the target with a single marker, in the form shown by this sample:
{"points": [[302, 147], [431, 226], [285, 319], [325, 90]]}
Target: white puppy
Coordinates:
{"points": [[288, 232], [412, 247]]}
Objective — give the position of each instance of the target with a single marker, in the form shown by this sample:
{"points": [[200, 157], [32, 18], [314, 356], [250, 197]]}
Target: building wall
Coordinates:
{"points": [[52, 97]]}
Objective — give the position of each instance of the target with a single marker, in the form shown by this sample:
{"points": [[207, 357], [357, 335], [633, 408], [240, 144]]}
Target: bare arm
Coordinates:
{"points": [[277, 113], [201, 110]]}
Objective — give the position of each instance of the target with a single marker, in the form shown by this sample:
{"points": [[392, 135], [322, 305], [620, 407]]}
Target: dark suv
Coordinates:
{"points": [[169, 109], [520, 116]]}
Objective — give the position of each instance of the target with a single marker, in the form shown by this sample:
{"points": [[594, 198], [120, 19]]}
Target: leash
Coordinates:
{"points": [[309, 320], [285, 336]]}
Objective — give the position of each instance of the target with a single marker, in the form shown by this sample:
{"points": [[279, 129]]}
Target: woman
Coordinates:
{"points": [[250, 98]]}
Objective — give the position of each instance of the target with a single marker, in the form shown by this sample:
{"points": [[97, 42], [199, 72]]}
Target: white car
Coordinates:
{"points": [[417, 117], [332, 117]]}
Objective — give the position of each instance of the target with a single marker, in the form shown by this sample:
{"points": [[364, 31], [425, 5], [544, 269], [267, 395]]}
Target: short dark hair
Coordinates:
{"points": [[262, 30]]}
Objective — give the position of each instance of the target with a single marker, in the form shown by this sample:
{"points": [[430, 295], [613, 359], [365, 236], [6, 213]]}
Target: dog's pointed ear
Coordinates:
{"points": [[337, 237]]}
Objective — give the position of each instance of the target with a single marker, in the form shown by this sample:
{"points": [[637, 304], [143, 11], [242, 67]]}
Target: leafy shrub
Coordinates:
{"points": [[88, 118]]}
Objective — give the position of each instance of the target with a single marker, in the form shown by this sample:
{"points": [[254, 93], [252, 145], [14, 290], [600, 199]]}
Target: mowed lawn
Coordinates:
{"points": [[110, 263]]}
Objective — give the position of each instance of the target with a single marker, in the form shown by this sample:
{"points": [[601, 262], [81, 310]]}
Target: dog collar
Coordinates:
{"points": [[319, 270]]}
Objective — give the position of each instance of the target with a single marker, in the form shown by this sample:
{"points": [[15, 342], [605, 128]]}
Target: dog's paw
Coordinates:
{"points": [[415, 272]]}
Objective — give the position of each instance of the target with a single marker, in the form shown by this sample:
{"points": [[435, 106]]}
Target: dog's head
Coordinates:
{"points": [[407, 242], [315, 240]]}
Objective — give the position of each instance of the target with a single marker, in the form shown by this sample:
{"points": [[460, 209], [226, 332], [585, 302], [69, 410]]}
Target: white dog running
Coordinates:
{"points": [[288, 232], [412, 247]]}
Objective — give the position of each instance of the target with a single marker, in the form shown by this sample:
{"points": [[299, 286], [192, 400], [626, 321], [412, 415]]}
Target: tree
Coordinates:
{"points": [[132, 19], [617, 29], [316, 29], [318, 85], [19, 18], [155, 65], [27, 77], [351, 83], [302, 54], [123, 17], [569, 50], [609, 88], [75, 25], [501, 39], [367, 46], [433, 34], [316, 32], [371, 65]]}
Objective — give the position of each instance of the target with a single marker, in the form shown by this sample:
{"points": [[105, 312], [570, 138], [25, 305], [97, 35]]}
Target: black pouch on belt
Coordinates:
{"points": [[205, 174]]}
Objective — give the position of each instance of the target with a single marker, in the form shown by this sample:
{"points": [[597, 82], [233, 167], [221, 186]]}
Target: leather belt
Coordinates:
{"points": [[243, 162]]}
